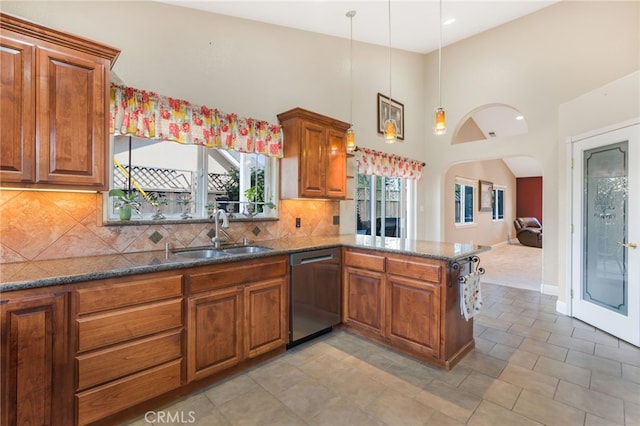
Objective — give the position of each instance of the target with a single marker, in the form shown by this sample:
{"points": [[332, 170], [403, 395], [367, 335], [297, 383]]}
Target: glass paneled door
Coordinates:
{"points": [[606, 259]]}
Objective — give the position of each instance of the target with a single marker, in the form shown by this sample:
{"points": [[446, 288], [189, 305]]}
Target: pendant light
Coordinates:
{"points": [[440, 127], [351, 134], [390, 133]]}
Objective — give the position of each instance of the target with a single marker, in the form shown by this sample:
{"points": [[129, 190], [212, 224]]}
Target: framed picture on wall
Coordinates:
{"points": [[486, 196], [390, 108]]}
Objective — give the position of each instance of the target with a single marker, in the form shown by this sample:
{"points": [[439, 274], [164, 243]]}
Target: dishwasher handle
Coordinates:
{"points": [[314, 256], [316, 259]]}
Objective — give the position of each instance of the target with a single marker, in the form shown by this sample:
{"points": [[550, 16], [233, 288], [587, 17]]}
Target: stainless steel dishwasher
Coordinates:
{"points": [[315, 294]]}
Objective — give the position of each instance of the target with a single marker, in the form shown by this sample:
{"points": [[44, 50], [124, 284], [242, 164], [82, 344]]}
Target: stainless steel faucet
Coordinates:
{"points": [[219, 213]]}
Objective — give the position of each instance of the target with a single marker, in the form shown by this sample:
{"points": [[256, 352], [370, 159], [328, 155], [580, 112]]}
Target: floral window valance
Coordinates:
{"points": [[149, 115], [378, 163]]}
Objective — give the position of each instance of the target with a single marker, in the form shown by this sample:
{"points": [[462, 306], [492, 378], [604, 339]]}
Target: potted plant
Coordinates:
{"points": [[254, 197], [126, 200], [157, 200], [185, 202]]}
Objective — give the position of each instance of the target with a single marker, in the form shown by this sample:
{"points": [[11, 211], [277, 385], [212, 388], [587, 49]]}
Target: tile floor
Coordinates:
{"points": [[531, 366]]}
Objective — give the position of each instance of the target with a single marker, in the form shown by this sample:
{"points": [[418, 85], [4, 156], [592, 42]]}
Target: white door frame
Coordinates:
{"points": [[570, 213]]}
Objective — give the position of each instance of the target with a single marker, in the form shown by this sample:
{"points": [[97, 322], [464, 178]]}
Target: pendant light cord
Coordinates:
{"points": [[440, 56], [351, 14], [389, 109]]}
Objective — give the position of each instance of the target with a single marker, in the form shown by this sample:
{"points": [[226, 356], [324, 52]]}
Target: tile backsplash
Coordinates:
{"points": [[52, 225]]}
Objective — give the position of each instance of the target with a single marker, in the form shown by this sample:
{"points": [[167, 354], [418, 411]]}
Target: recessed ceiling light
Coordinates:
{"points": [[449, 21], [519, 117]]}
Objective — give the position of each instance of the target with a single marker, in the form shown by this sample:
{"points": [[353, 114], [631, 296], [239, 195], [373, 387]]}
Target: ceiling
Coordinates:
{"points": [[414, 23], [414, 27]]}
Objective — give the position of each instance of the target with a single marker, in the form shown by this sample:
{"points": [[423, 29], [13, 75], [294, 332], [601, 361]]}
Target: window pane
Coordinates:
{"points": [[168, 180], [170, 173], [498, 204], [468, 204], [388, 219], [363, 205], [458, 201]]}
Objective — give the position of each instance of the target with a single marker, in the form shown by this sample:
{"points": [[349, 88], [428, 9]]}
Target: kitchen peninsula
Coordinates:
{"points": [[112, 336]]}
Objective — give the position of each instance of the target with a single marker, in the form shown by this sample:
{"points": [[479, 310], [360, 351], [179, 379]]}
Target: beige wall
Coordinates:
{"points": [[534, 64], [484, 230]]}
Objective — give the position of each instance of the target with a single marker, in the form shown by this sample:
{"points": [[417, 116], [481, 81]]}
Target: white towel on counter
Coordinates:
{"points": [[470, 295]]}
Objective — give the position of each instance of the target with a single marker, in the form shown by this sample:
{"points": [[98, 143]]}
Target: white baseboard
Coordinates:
{"points": [[551, 290], [561, 307]]}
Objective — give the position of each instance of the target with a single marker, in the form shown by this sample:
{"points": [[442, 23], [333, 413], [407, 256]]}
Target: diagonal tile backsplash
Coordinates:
{"points": [[52, 225]]}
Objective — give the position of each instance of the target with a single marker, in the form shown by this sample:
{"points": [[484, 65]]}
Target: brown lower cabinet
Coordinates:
{"points": [[407, 303], [128, 345], [35, 359], [236, 311]]}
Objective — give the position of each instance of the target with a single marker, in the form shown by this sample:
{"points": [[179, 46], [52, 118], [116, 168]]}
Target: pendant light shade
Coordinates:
{"points": [[390, 125], [440, 125], [351, 134], [390, 134], [351, 139], [441, 122]]}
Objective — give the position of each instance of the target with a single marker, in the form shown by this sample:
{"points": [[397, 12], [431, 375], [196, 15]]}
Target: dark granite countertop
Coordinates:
{"points": [[23, 275]]}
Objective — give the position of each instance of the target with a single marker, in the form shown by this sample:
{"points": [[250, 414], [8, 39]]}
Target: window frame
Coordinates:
{"points": [[473, 184], [199, 211], [407, 198]]}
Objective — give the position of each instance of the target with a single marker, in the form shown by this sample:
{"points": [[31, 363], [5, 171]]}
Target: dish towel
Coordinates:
{"points": [[470, 295]]}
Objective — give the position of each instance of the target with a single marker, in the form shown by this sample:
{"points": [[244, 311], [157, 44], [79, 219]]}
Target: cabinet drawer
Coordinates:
{"points": [[105, 329], [99, 367], [105, 400], [412, 269], [111, 296], [371, 262], [224, 275]]}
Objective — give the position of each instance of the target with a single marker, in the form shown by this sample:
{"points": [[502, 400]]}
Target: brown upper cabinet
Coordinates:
{"points": [[315, 156], [54, 108]]}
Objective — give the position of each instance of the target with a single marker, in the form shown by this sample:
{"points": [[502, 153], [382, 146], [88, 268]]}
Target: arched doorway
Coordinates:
{"points": [[490, 121], [510, 262]]}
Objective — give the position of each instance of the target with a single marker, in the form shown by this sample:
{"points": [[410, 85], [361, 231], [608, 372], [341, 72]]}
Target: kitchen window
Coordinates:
{"points": [[184, 182], [464, 195]]}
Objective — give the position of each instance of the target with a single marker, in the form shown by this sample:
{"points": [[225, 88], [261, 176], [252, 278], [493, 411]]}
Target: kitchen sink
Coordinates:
{"points": [[208, 253], [244, 249], [211, 253]]}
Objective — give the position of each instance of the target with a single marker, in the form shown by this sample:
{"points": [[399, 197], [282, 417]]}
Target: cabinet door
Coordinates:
{"points": [[214, 327], [364, 300], [72, 129], [336, 180], [312, 160], [413, 314], [266, 308], [17, 105], [36, 378]]}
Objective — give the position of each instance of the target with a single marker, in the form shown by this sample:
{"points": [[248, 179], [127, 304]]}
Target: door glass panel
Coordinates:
{"points": [[605, 221], [389, 209], [383, 215], [363, 205]]}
